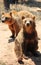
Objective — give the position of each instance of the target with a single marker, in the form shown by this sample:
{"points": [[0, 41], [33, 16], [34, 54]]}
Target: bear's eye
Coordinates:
{"points": [[7, 18], [31, 22]]}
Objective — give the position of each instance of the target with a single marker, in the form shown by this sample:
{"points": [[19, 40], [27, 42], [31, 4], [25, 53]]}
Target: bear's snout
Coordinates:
{"points": [[28, 23], [3, 19]]}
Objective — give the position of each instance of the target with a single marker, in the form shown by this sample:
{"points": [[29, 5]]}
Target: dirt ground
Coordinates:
{"points": [[7, 55]]}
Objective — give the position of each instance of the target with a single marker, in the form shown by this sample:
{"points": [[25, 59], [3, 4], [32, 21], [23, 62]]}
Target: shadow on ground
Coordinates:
{"points": [[33, 3]]}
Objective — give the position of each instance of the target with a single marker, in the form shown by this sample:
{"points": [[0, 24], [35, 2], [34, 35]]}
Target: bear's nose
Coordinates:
{"points": [[28, 24], [2, 21]]}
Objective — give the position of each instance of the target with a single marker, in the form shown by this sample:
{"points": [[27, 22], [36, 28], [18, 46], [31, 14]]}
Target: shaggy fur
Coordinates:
{"points": [[14, 20], [26, 40], [25, 14]]}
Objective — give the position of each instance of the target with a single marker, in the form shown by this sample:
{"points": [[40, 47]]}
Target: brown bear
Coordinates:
{"points": [[12, 20], [26, 40]]}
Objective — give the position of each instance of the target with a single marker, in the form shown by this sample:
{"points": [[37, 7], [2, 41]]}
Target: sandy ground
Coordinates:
{"points": [[7, 55]]}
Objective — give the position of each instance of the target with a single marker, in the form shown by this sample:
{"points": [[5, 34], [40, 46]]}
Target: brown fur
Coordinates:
{"points": [[12, 23], [26, 40], [15, 20], [25, 14], [14, 28]]}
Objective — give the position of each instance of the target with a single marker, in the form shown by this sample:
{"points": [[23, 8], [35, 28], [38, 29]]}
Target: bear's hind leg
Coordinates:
{"points": [[35, 47], [18, 51]]}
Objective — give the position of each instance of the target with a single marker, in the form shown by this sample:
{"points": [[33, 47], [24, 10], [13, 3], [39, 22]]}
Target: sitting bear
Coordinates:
{"points": [[12, 20], [26, 40]]}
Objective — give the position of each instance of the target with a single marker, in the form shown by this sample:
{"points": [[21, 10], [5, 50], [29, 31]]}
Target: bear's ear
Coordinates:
{"points": [[33, 17], [11, 14], [23, 17], [3, 13]]}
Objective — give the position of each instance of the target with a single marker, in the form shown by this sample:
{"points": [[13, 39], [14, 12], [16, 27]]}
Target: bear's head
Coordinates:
{"points": [[8, 18], [29, 24]]}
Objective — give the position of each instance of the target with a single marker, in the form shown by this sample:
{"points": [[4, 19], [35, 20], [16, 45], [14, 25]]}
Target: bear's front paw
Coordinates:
{"points": [[12, 36], [36, 53], [20, 60]]}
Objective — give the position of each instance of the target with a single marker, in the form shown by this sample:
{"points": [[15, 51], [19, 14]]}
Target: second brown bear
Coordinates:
{"points": [[26, 40]]}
